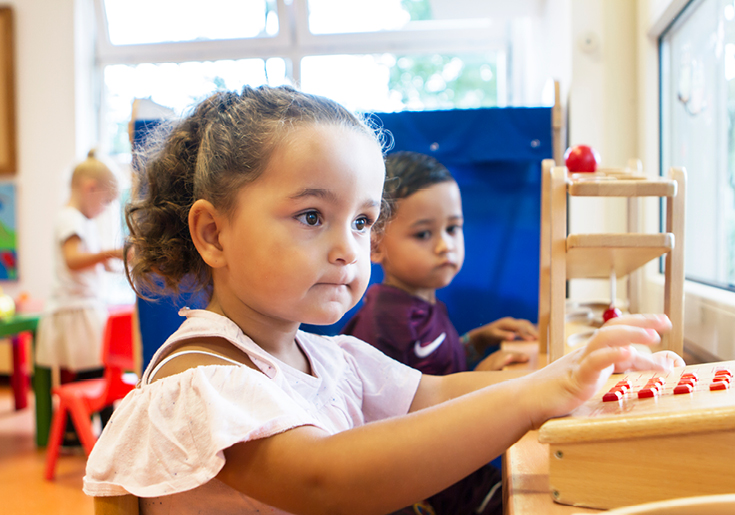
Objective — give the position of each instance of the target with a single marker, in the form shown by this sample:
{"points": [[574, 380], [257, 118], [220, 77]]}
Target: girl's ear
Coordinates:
{"points": [[205, 223]]}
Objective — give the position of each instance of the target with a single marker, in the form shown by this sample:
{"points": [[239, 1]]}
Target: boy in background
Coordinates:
{"points": [[420, 246]]}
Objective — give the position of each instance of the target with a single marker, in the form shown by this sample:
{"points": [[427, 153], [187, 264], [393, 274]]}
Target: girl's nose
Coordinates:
{"points": [[344, 249]]}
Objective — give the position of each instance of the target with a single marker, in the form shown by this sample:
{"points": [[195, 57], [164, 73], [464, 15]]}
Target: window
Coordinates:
{"points": [[134, 22], [697, 54], [370, 55], [176, 86]]}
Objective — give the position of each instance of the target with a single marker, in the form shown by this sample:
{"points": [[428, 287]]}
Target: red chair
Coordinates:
{"points": [[83, 398]]}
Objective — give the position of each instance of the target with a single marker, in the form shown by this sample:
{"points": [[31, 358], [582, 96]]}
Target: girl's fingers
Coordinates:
{"points": [[611, 345], [660, 323], [644, 361], [669, 358], [595, 368], [622, 335]]}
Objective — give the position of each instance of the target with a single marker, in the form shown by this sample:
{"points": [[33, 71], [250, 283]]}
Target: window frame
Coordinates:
{"points": [[294, 41], [687, 9]]}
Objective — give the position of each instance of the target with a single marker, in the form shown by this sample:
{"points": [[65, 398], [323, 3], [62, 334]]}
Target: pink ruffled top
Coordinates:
{"points": [[165, 440]]}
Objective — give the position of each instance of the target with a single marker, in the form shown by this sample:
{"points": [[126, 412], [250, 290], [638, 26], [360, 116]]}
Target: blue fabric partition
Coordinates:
{"points": [[495, 155], [158, 318]]}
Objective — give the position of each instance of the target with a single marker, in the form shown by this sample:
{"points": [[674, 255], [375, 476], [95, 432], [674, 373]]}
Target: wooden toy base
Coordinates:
{"points": [[639, 450]]}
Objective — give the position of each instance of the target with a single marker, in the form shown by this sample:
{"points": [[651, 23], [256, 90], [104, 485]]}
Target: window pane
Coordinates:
{"points": [[698, 115], [348, 16], [157, 21], [387, 82], [176, 86]]}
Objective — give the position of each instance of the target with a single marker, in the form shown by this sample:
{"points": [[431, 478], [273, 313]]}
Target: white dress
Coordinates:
{"points": [[165, 440], [70, 330]]}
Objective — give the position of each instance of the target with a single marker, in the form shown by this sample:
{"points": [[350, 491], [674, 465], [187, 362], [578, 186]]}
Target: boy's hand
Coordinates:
{"points": [[499, 359], [574, 378], [504, 329]]}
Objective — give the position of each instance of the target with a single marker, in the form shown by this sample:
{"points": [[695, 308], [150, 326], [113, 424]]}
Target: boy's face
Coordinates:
{"points": [[422, 247]]}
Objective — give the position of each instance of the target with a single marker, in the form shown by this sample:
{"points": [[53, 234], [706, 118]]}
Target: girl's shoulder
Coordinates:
{"points": [[202, 326], [195, 414]]}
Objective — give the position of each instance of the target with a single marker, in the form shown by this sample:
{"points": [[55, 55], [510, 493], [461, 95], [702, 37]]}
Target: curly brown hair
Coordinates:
{"points": [[222, 145]]}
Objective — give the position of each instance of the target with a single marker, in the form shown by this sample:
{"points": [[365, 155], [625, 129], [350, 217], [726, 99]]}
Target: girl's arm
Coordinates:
{"points": [[77, 260], [379, 467], [383, 466]]}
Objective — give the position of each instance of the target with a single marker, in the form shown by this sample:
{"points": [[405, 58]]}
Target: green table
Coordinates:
{"points": [[14, 327]]}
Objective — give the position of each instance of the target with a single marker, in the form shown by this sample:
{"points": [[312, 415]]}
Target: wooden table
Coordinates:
{"points": [[526, 464], [526, 480], [17, 328]]}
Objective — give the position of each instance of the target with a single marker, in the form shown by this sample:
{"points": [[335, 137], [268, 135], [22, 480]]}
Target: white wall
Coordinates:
{"points": [[46, 125], [602, 114], [55, 124]]}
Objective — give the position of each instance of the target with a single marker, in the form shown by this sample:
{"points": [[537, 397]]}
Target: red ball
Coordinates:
{"points": [[581, 158], [611, 312]]}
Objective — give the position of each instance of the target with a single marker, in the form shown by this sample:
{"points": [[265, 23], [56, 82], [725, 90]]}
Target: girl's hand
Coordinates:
{"points": [[569, 381], [504, 329], [640, 361]]}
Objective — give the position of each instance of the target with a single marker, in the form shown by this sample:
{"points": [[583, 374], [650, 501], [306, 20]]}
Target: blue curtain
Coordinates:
{"points": [[158, 317], [495, 155]]}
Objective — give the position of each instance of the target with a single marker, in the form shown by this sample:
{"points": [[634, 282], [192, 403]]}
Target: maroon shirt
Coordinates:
{"points": [[395, 322], [409, 329]]}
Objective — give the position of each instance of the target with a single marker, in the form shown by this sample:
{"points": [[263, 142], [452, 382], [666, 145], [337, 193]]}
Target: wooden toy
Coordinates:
{"points": [[647, 437], [612, 311], [565, 256]]}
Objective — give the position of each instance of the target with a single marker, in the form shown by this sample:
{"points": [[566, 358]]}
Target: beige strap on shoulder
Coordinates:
{"points": [[185, 358]]}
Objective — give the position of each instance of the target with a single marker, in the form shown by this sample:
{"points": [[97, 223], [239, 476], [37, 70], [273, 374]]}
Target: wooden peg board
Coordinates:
{"points": [[637, 450]]}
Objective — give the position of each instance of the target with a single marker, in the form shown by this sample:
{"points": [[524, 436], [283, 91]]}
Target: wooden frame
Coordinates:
{"points": [[8, 147], [566, 256]]}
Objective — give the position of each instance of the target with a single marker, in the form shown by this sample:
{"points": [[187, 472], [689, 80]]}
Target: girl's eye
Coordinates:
{"points": [[423, 235], [310, 218], [362, 223], [452, 229]]}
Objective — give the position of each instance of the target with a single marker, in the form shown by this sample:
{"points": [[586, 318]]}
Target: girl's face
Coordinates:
{"points": [[297, 246], [422, 247], [96, 196]]}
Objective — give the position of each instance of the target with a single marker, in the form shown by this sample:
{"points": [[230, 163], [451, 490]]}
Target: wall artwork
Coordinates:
{"points": [[8, 237]]}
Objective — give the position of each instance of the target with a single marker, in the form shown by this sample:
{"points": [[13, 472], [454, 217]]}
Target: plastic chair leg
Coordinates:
{"points": [[56, 435], [83, 424]]}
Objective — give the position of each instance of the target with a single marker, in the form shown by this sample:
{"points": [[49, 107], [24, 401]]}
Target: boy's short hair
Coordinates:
{"points": [[406, 173]]}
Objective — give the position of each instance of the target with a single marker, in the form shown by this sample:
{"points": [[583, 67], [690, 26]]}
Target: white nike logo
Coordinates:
{"points": [[423, 351]]}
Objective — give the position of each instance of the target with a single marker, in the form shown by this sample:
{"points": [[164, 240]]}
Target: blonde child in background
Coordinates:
{"points": [[70, 330], [265, 200]]}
